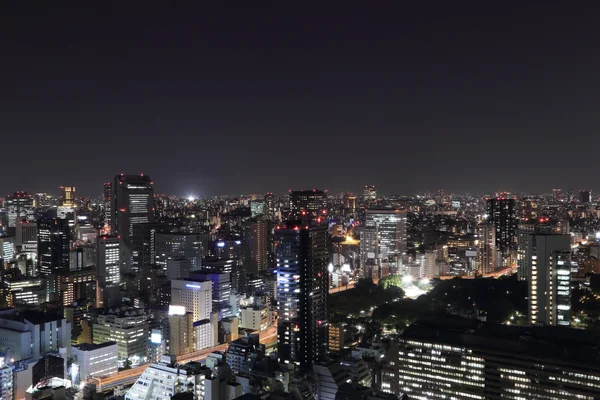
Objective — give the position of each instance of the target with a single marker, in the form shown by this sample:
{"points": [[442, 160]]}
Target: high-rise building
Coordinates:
{"points": [[524, 229], [53, 245], [370, 194], [221, 291], [68, 196], [487, 255], [585, 196], [269, 204], [312, 202], [239, 353], [108, 211], [181, 332], [19, 205], [108, 256], [132, 203], [6, 381], [501, 212], [256, 245], [548, 276], [390, 227], [195, 296], [95, 360], [128, 327], [26, 236], [302, 290], [171, 246]]}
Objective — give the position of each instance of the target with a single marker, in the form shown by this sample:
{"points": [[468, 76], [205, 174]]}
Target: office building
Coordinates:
{"points": [[26, 234], [72, 286], [524, 229], [302, 291], [221, 291], [487, 254], [67, 196], [28, 334], [165, 381], [132, 203], [19, 206], [53, 243], [181, 331], [95, 360], [6, 381], [108, 256], [585, 196], [337, 337], [370, 194], [501, 212], [386, 232], [128, 327], [195, 295], [549, 272], [190, 246], [108, 212], [256, 245], [469, 360], [308, 202], [240, 351], [269, 204], [255, 318]]}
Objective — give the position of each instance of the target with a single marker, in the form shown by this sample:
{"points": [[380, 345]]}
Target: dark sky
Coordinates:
{"points": [[247, 96]]}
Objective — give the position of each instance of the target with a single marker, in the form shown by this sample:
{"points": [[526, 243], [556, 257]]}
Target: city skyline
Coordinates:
{"points": [[208, 99]]}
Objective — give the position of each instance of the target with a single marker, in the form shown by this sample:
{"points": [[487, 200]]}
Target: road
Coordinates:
{"points": [[128, 377], [348, 287]]}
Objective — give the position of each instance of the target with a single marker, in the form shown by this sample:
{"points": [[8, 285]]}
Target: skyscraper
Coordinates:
{"points": [[108, 254], [585, 196], [107, 207], [391, 233], [19, 205], [53, 245], [501, 212], [487, 254], [524, 230], [303, 287], [256, 245], [269, 204], [68, 196], [132, 203], [548, 275], [313, 202]]}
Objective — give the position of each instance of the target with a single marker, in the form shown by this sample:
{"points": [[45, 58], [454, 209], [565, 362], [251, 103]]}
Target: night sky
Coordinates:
{"points": [[245, 96]]}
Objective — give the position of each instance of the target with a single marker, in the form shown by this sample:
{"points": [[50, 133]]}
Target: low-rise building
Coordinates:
{"points": [[94, 360], [128, 327]]}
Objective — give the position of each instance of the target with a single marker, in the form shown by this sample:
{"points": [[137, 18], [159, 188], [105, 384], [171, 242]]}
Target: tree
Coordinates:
{"points": [[365, 286], [390, 281]]}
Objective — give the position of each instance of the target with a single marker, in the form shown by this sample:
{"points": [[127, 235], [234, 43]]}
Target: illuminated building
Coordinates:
{"points": [[387, 233], [302, 291], [95, 360], [171, 246], [464, 359], [529, 208], [256, 318], [304, 202], [53, 245], [108, 253], [256, 245], [19, 205], [487, 254], [221, 291], [68, 196], [72, 286], [181, 332], [524, 229], [108, 212], [501, 212], [26, 236], [548, 276], [239, 353], [6, 381], [370, 194], [269, 204], [197, 297], [132, 203], [336, 337], [126, 326]]}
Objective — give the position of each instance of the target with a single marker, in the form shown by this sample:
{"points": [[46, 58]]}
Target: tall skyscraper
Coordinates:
{"points": [[256, 245], [108, 212], [171, 246], [487, 254], [269, 204], [19, 206], [53, 245], [302, 289], [195, 296], [390, 225], [68, 196], [132, 203], [312, 202], [108, 253], [524, 230], [501, 212], [548, 276], [181, 332]]}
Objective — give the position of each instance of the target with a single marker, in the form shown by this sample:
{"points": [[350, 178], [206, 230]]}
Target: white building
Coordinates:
{"points": [[94, 360], [195, 296], [6, 381], [129, 328], [255, 318], [108, 260]]}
